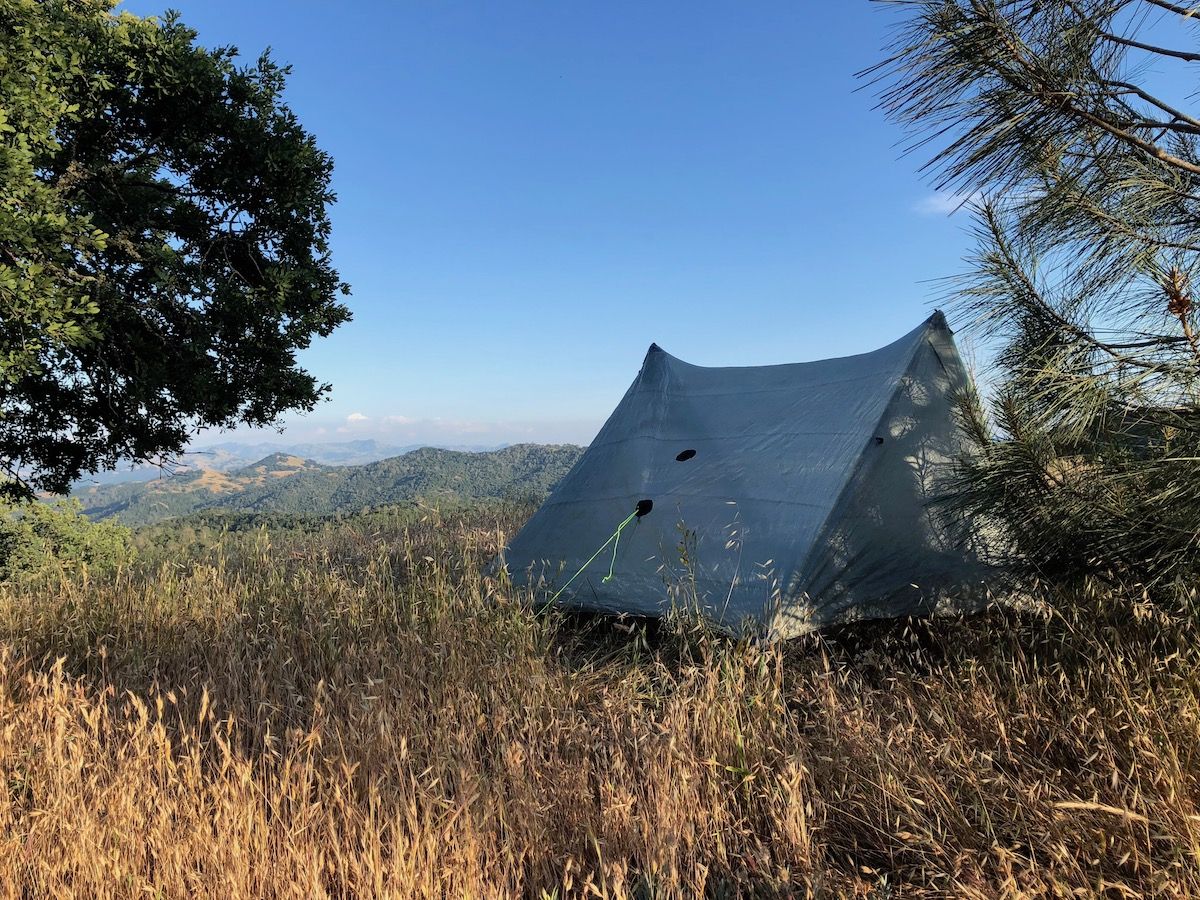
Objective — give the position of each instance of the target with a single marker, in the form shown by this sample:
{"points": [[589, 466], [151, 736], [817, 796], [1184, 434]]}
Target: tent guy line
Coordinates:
{"points": [[643, 508]]}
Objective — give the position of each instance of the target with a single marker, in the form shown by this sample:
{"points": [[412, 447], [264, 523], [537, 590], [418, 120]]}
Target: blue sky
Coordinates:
{"points": [[530, 193]]}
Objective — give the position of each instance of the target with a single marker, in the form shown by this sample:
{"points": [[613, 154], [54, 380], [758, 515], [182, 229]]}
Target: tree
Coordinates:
{"points": [[39, 539], [1052, 119], [163, 241]]}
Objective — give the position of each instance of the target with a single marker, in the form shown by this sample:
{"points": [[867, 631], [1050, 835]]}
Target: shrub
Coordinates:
{"points": [[38, 538]]}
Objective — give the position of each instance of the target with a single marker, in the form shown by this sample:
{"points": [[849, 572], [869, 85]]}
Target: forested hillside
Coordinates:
{"points": [[229, 455], [285, 484]]}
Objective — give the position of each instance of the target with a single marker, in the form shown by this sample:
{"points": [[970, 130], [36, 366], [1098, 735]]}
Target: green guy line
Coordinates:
{"points": [[614, 539]]}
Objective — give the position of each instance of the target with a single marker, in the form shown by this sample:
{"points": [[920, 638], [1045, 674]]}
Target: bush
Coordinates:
{"points": [[37, 538]]}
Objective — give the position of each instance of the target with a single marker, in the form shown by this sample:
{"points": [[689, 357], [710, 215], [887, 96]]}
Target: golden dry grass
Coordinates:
{"points": [[210, 479], [352, 714]]}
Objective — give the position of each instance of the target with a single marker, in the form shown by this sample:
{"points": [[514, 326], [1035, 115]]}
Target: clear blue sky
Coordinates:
{"points": [[530, 193]]}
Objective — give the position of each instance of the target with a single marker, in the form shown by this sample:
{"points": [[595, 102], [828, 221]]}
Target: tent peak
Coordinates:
{"points": [[935, 322]]}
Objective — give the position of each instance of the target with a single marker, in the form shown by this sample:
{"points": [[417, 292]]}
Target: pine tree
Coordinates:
{"points": [[1055, 122]]}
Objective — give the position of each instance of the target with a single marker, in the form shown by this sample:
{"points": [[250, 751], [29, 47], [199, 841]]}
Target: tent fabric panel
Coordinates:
{"points": [[890, 549], [775, 447]]}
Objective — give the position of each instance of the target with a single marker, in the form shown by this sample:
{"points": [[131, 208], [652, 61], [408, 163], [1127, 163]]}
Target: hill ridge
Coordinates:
{"points": [[286, 483]]}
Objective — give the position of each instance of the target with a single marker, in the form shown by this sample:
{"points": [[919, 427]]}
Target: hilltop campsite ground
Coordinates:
{"points": [[304, 685], [351, 709]]}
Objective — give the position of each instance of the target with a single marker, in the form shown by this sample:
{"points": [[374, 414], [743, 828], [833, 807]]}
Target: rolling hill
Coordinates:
{"points": [[229, 455], [285, 483]]}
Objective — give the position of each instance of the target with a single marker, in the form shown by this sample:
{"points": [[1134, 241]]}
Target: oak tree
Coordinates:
{"points": [[164, 241]]}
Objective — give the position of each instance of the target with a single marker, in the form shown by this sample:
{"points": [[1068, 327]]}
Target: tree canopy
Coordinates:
{"points": [[164, 241], [50, 539], [1064, 125]]}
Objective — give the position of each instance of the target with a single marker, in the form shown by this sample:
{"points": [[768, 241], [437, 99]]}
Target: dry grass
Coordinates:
{"points": [[349, 714]]}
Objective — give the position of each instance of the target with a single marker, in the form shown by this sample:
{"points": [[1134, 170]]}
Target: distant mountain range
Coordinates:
{"points": [[289, 483], [230, 455]]}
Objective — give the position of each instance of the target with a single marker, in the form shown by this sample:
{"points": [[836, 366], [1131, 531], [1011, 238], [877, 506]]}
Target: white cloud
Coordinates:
{"points": [[944, 204], [356, 417], [398, 420]]}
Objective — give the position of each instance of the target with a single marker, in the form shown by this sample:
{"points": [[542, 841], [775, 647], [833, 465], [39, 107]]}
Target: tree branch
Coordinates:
{"points": [[1035, 295], [1149, 147], [1193, 12], [1151, 48], [1060, 101], [1179, 127], [1154, 101]]}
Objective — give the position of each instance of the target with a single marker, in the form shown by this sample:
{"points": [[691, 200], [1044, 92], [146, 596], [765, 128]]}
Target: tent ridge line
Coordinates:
{"points": [[937, 320]]}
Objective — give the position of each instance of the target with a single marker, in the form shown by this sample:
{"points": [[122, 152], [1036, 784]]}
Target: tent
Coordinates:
{"points": [[781, 498]]}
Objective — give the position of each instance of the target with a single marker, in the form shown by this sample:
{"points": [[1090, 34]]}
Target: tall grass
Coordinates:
{"points": [[356, 712]]}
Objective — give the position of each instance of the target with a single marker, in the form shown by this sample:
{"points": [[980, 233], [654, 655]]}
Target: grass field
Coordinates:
{"points": [[355, 712]]}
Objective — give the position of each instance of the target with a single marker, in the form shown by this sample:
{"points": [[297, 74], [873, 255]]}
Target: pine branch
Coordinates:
{"points": [[1151, 48], [1186, 12], [1065, 105], [1039, 305], [1151, 99]]}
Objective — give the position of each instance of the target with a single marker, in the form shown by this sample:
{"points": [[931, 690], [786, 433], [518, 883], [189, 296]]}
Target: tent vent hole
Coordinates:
{"points": [[643, 507], [685, 455], [878, 440]]}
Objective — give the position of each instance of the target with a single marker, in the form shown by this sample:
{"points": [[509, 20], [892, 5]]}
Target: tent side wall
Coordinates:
{"points": [[887, 524], [599, 491]]}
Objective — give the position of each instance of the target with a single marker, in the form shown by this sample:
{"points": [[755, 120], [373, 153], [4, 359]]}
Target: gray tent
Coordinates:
{"points": [[783, 497]]}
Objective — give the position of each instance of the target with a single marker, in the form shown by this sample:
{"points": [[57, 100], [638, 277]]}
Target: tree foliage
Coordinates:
{"points": [[1057, 120], [163, 240], [48, 538]]}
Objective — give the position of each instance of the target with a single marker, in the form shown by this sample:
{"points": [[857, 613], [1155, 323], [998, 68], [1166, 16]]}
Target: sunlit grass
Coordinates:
{"points": [[357, 712]]}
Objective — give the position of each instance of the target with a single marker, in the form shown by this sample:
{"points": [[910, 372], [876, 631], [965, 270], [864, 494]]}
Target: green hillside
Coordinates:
{"points": [[285, 484]]}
